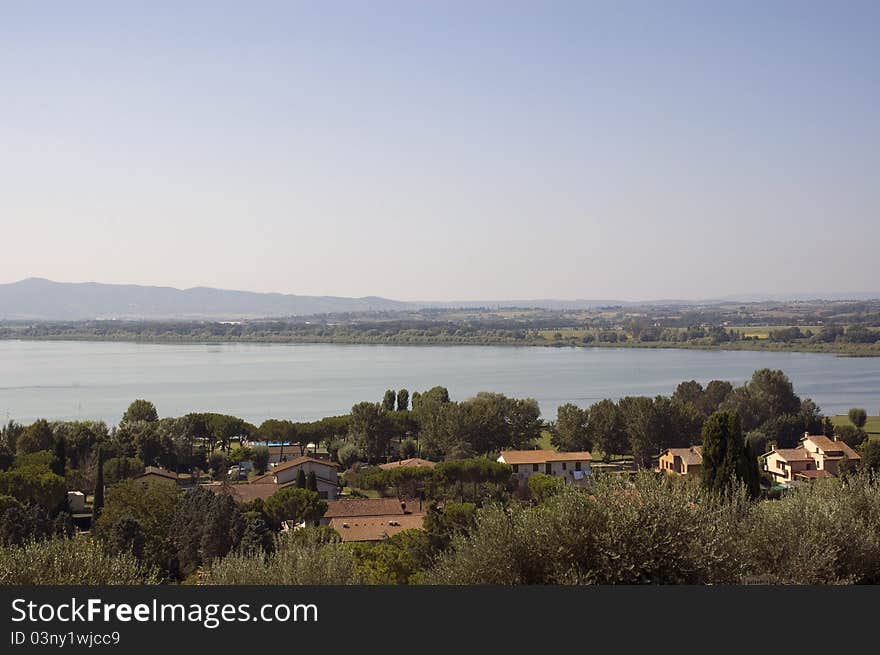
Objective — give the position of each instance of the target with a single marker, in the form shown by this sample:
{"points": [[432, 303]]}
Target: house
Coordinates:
{"points": [[573, 467], [683, 461], [816, 456], [158, 474], [372, 519], [412, 462], [286, 474]]}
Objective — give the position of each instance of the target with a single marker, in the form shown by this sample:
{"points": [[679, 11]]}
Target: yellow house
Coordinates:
{"points": [[817, 456], [682, 461]]}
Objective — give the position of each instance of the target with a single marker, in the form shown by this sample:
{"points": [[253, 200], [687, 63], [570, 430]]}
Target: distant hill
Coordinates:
{"points": [[39, 299]]}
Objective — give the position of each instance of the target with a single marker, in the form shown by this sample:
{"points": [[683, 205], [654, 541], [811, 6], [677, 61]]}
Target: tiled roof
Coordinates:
{"points": [[793, 454], [542, 456], [302, 460], [411, 462], [348, 507], [375, 528], [155, 470]]}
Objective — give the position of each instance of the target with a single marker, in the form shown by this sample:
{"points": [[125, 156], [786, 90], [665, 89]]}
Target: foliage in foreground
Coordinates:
{"points": [[79, 561], [313, 558], [660, 531]]}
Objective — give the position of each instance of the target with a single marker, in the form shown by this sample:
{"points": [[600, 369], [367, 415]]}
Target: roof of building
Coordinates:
{"points": [[411, 462], [299, 461], [829, 445], [692, 456], [542, 456], [349, 507], [155, 470], [792, 454], [375, 528]]}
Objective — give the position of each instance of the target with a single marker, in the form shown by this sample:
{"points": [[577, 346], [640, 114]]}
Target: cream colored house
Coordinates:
{"points": [[286, 473], [573, 467], [817, 456], [683, 461]]}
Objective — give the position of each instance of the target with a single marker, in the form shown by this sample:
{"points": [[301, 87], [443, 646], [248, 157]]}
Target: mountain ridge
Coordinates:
{"points": [[41, 299]]}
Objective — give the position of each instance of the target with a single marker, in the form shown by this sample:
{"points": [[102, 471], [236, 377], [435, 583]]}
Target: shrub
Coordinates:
{"points": [[306, 560], [79, 561]]}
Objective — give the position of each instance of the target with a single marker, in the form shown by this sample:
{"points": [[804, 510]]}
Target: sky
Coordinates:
{"points": [[443, 150]]}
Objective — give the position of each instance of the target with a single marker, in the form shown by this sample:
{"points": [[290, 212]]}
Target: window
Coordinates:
{"points": [[563, 466], [577, 466], [534, 467], [548, 468], [516, 468]]}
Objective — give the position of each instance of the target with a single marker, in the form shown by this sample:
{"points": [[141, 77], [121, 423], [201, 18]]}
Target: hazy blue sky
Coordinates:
{"points": [[446, 150]]}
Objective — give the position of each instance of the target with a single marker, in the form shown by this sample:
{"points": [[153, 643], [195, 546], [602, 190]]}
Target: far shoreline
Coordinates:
{"points": [[736, 346]]}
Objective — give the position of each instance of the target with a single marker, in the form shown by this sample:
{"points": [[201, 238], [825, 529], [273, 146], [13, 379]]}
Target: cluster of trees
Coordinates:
{"points": [[174, 532], [476, 477], [766, 406]]}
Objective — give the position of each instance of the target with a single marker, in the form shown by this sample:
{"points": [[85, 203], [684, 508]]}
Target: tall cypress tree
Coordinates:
{"points": [[312, 484], [98, 501], [60, 464], [301, 479], [724, 453]]}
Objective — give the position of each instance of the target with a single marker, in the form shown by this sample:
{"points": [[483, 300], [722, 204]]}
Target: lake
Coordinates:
{"points": [[97, 380]]}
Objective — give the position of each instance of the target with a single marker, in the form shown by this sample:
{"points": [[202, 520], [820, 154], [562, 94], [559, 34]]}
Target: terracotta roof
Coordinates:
{"points": [[542, 456], [155, 470], [792, 454], [348, 507], [691, 456], [375, 528], [825, 443], [411, 462], [302, 460]]}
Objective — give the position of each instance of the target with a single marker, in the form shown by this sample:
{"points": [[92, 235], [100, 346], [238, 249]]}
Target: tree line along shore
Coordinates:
{"points": [[628, 522]]}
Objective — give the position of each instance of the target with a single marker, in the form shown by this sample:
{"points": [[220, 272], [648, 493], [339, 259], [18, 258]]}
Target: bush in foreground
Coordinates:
{"points": [[309, 558], [79, 561]]}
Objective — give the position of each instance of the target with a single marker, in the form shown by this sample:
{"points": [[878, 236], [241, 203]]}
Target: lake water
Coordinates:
{"points": [[96, 380]]}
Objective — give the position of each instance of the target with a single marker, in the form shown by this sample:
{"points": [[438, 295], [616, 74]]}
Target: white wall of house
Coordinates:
{"points": [[564, 470]]}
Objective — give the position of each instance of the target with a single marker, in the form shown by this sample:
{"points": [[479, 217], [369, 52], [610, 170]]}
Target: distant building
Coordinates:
{"points": [[158, 474], [412, 462], [683, 461], [372, 519], [817, 456], [286, 474], [573, 467]]}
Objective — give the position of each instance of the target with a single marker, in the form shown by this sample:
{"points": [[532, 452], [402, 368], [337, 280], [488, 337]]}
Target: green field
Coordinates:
{"points": [[872, 427]]}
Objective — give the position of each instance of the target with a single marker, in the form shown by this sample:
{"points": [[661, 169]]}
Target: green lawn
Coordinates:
{"points": [[872, 427]]}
